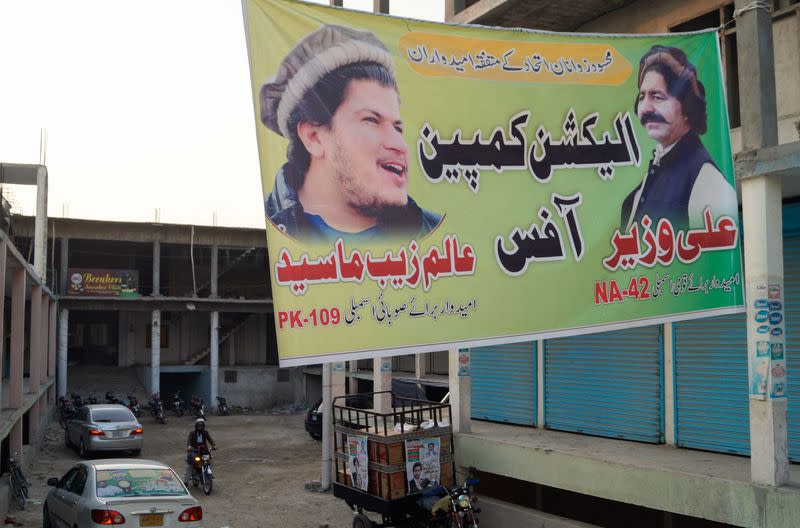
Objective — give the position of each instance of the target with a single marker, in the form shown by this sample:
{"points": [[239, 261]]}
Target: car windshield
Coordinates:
{"points": [[112, 415], [138, 483]]}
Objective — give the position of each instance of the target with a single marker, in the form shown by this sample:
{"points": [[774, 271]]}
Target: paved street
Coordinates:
{"points": [[261, 466]]}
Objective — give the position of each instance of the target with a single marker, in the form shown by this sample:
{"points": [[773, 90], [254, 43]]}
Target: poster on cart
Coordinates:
{"points": [[358, 461], [422, 463]]}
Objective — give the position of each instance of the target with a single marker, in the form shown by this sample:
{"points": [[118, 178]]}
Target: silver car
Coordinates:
{"points": [[120, 492], [105, 427]]}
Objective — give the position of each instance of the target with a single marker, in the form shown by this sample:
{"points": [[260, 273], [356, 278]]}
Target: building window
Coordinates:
{"points": [[164, 336], [730, 57]]}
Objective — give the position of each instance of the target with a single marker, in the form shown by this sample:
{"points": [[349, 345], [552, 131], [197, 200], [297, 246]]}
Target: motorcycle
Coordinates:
{"points": [[201, 469], [198, 407], [110, 398], [451, 508], [157, 408], [91, 399], [222, 406], [66, 411], [132, 403], [77, 401], [177, 403]]}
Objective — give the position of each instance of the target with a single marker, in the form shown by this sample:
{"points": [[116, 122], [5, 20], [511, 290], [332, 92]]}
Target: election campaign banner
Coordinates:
{"points": [[429, 186]]}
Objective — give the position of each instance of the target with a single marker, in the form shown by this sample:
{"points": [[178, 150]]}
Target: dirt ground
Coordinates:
{"points": [[261, 465]]}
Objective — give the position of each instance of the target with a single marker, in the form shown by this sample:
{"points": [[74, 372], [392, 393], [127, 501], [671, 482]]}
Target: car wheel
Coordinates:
{"points": [[82, 451], [46, 521]]}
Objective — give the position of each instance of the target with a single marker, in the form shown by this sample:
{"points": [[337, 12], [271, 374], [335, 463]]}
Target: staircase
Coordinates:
{"points": [[238, 324], [203, 288]]}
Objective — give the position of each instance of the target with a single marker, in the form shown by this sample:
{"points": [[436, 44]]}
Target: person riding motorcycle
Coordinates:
{"points": [[199, 439]]}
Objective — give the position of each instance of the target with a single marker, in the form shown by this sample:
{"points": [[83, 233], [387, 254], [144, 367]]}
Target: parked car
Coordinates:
{"points": [[104, 427], [121, 492]]}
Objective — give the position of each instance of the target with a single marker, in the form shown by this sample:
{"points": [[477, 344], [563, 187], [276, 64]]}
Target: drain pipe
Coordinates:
{"points": [[327, 422]]}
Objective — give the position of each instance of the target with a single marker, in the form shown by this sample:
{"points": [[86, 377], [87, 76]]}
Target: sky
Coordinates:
{"points": [[146, 105]]}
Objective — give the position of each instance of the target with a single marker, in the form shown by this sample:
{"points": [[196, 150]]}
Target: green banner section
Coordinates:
{"points": [[429, 186]]}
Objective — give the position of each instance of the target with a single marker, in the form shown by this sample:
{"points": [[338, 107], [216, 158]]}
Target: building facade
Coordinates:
{"points": [[655, 424]]}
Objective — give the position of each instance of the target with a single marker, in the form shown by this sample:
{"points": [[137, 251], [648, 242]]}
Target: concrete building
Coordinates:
{"points": [[680, 441], [27, 330], [197, 318]]}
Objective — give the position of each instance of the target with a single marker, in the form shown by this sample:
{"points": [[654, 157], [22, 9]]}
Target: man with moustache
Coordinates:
{"points": [[335, 99], [682, 179]]}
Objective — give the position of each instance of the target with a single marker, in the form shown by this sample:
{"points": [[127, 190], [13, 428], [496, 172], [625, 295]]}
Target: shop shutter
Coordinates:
{"points": [[791, 283], [606, 384], [712, 405], [711, 393], [504, 383]]}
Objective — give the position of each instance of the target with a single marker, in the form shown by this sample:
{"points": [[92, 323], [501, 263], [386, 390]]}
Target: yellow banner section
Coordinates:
{"points": [[537, 62]]}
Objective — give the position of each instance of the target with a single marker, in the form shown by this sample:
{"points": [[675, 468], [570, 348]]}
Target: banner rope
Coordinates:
{"points": [[755, 4]]}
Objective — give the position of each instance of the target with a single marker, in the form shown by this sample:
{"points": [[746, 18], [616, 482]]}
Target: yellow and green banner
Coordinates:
{"points": [[430, 186]]}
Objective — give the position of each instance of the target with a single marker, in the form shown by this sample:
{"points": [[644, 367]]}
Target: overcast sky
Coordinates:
{"points": [[147, 105]]}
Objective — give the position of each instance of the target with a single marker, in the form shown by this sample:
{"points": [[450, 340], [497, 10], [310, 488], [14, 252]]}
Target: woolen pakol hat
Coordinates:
{"points": [[319, 53]]}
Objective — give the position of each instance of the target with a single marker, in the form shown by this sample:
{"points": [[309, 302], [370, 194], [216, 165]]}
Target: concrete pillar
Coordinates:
{"points": [[44, 326], [3, 352], [64, 266], [35, 339], [17, 340], [15, 442], [214, 360], [669, 385], [63, 344], [452, 7], [156, 268], [353, 380], [382, 381], [460, 374], [763, 241], [214, 271], [422, 364], [338, 379], [33, 423], [40, 224], [155, 352], [380, 6]]}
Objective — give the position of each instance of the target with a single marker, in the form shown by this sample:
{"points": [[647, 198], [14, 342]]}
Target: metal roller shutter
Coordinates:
{"points": [[504, 383], [607, 384], [791, 282], [711, 394], [712, 409]]}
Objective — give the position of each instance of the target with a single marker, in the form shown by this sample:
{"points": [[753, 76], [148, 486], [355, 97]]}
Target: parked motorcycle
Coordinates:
{"points": [[222, 406], [66, 410], [201, 470], [177, 403], [110, 398], [132, 403], [77, 401], [452, 508], [91, 399], [157, 408], [198, 407]]}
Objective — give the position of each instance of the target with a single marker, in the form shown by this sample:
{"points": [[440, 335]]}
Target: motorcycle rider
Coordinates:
{"points": [[199, 439]]}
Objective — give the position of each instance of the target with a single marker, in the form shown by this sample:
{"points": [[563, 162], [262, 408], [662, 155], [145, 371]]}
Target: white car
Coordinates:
{"points": [[104, 427], [120, 492]]}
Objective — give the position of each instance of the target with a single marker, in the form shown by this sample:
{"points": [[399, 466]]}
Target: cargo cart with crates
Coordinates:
{"points": [[391, 438]]}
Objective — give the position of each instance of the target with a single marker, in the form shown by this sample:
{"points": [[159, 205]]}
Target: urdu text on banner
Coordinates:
{"points": [[429, 186]]}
